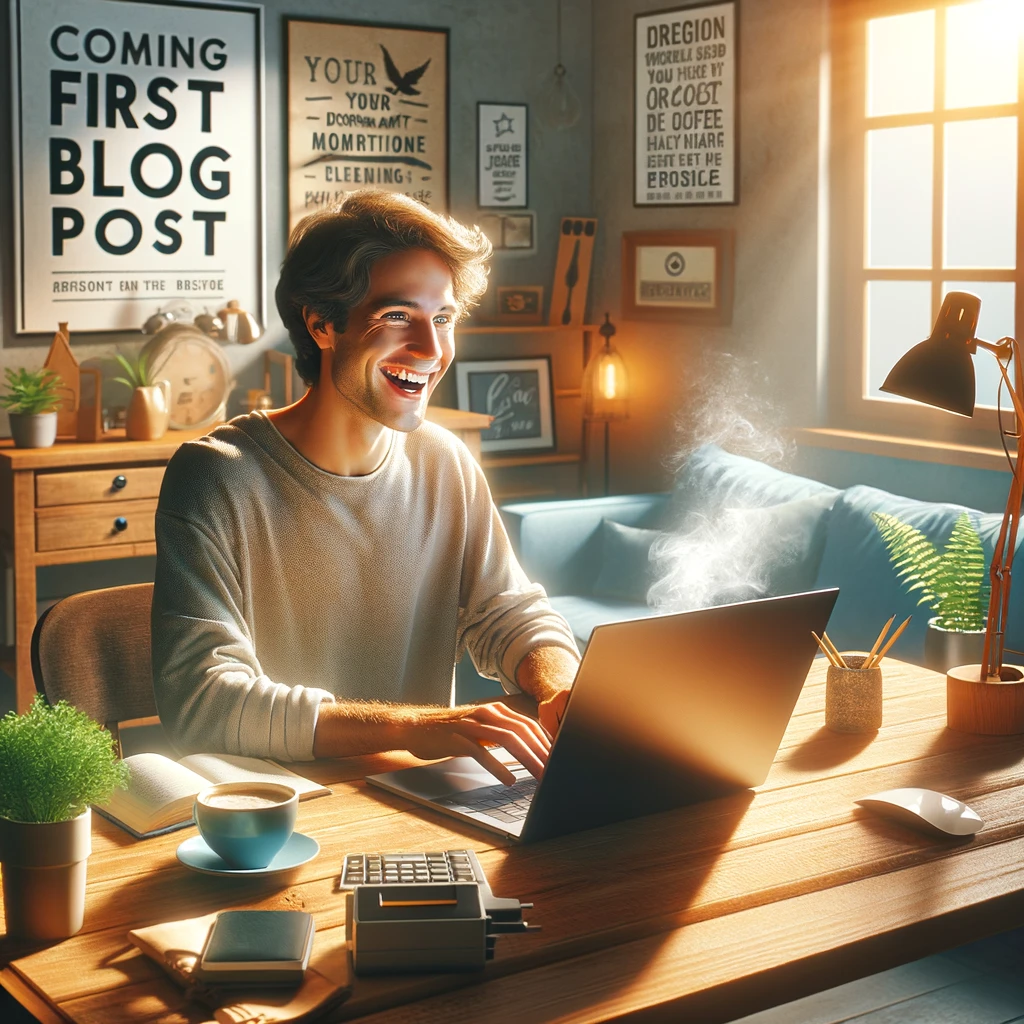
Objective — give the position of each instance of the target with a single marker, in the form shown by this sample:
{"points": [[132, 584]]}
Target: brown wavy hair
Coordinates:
{"points": [[326, 269]]}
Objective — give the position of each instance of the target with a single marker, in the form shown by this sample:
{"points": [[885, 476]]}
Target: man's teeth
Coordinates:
{"points": [[409, 375]]}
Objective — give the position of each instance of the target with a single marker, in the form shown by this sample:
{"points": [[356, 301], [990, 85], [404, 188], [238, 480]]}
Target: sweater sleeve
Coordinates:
{"points": [[502, 615], [211, 693]]}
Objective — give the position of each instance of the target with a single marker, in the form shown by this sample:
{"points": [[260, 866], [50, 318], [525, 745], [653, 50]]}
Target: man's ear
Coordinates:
{"points": [[319, 330]]}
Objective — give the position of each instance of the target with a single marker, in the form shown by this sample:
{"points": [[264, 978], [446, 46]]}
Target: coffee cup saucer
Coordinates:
{"points": [[195, 854]]}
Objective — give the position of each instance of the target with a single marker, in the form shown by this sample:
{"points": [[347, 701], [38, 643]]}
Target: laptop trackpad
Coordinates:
{"points": [[443, 779]]}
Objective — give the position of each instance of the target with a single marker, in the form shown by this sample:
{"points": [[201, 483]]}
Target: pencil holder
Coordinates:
{"points": [[853, 696]]}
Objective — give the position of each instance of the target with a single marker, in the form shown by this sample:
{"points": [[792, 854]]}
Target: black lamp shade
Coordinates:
{"points": [[940, 371]]}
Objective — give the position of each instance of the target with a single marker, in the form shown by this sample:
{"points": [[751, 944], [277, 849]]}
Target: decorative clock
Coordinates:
{"points": [[198, 370]]}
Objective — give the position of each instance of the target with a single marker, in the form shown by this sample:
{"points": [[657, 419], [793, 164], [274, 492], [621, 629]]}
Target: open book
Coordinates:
{"points": [[161, 792]]}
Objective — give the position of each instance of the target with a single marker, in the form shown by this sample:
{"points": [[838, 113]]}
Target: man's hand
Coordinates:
{"points": [[551, 711], [463, 731], [547, 674]]}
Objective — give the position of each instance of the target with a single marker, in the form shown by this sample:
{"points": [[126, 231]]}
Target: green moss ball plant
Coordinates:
{"points": [[54, 762]]}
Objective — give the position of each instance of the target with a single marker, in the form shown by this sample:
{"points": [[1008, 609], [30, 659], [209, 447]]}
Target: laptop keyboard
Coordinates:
{"points": [[506, 803]]}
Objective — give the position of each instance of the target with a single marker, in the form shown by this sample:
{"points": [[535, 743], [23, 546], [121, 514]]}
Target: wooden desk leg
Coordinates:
{"points": [[24, 566]]}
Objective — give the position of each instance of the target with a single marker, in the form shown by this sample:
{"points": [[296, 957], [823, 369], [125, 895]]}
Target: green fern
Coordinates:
{"points": [[954, 582]]}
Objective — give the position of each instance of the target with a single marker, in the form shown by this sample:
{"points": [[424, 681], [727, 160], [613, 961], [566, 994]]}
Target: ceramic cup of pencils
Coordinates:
{"points": [[853, 694]]}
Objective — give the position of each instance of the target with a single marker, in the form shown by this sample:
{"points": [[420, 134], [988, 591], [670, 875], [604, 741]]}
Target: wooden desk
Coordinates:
{"points": [[742, 903], [73, 503]]}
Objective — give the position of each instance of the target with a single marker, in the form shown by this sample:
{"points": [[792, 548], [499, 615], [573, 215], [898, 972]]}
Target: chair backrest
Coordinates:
{"points": [[93, 650]]}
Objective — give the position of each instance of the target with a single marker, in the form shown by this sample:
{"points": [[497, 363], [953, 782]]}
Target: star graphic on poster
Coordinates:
{"points": [[503, 126]]}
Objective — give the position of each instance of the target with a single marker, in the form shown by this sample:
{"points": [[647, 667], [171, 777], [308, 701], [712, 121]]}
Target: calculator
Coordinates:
{"points": [[444, 866]]}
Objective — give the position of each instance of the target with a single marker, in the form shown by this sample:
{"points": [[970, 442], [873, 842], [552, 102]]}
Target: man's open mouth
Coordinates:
{"points": [[409, 381]]}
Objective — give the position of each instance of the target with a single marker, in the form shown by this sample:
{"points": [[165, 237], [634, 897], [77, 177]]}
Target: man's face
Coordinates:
{"points": [[399, 340]]}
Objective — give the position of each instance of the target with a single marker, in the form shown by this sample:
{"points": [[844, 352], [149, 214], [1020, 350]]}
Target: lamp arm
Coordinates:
{"points": [[1000, 571]]}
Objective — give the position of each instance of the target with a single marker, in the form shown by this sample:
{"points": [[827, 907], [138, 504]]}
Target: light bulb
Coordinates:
{"points": [[558, 106], [609, 380]]}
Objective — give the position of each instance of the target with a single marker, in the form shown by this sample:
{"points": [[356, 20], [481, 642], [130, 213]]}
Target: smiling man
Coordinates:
{"points": [[321, 568]]}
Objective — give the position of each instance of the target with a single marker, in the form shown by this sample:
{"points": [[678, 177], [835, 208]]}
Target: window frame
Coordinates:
{"points": [[849, 276]]}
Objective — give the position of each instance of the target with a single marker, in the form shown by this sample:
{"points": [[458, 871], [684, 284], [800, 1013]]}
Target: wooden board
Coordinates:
{"points": [[88, 485], [74, 526], [742, 903]]}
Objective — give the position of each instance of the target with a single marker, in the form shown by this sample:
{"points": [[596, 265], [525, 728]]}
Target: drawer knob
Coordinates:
{"points": [[120, 482], [120, 524]]}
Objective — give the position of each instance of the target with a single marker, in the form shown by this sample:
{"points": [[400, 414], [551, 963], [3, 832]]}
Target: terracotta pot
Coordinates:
{"points": [[149, 412], [944, 648], [44, 876], [33, 429]]}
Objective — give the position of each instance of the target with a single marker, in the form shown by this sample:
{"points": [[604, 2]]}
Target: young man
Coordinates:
{"points": [[321, 568]]}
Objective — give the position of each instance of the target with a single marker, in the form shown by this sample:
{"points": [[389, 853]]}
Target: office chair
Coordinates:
{"points": [[93, 650]]}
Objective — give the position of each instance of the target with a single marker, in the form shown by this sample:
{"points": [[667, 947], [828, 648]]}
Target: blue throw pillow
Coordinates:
{"points": [[713, 479], [625, 562], [856, 560]]}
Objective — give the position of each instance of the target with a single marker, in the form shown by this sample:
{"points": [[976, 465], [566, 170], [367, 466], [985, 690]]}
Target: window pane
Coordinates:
{"points": [[899, 315], [899, 189], [997, 321], [981, 193], [901, 64], [981, 53]]}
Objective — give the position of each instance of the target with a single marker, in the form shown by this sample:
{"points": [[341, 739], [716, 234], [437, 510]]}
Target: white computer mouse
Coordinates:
{"points": [[926, 810]]}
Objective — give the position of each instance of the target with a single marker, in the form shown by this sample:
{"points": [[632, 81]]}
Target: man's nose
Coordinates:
{"points": [[426, 344]]}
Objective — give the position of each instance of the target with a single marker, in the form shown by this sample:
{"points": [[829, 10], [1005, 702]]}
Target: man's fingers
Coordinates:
{"points": [[521, 724], [526, 753]]}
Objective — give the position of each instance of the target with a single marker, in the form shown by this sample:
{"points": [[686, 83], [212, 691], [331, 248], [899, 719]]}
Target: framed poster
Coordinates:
{"points": [[367, 108], [684, 96], [502, 169], [138, 160], [517, 394], [521, 304], [683, 276]]}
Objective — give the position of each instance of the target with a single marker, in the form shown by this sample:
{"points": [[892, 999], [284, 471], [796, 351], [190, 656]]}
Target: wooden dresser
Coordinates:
{"points": [[79, 502]]}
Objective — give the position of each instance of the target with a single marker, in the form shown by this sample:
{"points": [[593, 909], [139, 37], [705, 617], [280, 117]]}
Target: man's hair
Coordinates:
{"points": [[326, 270]]}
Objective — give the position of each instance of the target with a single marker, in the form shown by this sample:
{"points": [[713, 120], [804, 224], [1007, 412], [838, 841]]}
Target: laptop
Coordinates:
{"points": [[664, 711]]}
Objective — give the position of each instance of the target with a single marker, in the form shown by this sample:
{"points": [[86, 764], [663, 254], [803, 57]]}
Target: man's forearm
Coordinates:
{"points": [[545, 671], [349, 728]]}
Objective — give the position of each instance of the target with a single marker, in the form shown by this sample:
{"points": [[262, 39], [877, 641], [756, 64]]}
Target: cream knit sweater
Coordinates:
{"points": [[279, 585]]}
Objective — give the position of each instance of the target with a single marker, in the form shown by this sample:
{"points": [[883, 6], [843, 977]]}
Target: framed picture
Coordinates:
{"points": [[576, 236], [501, 166], [521, 304], [509, 231], [683, 276], [367, 107], [517, 393], [155, 188], [685, 67]]}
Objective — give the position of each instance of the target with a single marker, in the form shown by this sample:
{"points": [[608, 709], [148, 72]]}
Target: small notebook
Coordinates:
{"points": [[161, 792]]}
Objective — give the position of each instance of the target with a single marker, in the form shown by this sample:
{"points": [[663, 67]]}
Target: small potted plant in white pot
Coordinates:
{"points": [[54, 762], [32, 399], [953, 582]]}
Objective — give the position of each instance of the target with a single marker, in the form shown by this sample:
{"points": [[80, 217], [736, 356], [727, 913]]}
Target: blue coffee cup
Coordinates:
{"points": [[246, 823]]}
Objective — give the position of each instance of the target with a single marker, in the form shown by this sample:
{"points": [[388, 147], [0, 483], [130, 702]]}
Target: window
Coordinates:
{"points": [[928, 107]]}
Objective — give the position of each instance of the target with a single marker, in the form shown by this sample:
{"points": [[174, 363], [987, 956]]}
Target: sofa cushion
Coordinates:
{"points": [[713, 479], [584, 613], [741, 554], [856, 560], [626, 570]]}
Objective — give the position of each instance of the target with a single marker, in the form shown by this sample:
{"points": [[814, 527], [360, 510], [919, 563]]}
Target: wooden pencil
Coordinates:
{"points": [[825, 650], [835, 650], [877, 643], [882, 653]]}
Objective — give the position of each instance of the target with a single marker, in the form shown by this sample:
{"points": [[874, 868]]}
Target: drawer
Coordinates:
{"points": [[88, 485], [93, 526]]}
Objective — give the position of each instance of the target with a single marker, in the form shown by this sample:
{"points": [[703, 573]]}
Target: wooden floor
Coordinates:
{"points": [[978, 984]]}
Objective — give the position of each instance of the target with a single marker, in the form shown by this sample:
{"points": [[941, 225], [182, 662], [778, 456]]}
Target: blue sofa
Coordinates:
{"points": [[593, 555]]}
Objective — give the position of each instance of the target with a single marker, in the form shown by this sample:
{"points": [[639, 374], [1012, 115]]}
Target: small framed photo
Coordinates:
{"points": [[502, 170], [522, 304], [517, 394], [517, 231], [683, 276]]}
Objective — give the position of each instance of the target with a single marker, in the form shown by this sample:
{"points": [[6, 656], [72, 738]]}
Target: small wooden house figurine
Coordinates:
{"points": [[63, 362]]}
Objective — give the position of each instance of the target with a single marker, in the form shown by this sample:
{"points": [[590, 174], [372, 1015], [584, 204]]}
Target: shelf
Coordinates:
{"points": [[524, 329], [505, 461]]}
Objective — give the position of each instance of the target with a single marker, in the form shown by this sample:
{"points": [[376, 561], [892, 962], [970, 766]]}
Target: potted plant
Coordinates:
{"points": [[54, 762], [149, 410], [31, 402], [953, 583]]}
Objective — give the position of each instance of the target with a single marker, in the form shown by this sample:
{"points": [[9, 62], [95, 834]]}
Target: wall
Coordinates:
{"points": [[497, 51]]}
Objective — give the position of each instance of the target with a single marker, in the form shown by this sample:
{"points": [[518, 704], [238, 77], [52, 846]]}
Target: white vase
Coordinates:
{"points": [[44, 876], [33, 429]]}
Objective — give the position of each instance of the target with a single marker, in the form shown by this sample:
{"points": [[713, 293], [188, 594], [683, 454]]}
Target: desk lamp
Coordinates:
{"points": [[985, 698], [606, 389]]}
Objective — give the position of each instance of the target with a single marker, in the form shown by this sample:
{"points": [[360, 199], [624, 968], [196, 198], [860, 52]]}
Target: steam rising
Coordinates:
{"points": [[718, 555]]}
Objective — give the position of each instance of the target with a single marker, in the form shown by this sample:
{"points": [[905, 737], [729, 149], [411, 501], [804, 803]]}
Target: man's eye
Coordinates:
{"points": [[444, 319], [396, 314]]}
